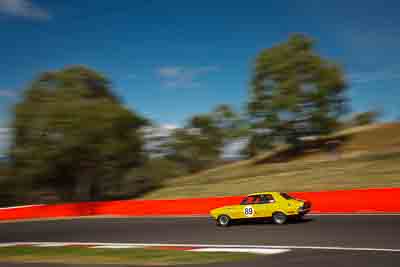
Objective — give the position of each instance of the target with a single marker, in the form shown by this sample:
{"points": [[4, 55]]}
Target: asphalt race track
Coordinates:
{"points": [[307, 239]]}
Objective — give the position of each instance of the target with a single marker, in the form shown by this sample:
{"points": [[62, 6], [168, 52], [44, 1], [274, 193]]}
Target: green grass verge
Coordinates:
{"points": [[75, 255]]}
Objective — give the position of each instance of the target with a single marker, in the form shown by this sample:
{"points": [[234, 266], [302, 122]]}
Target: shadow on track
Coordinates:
{"points": [[268, 222]]}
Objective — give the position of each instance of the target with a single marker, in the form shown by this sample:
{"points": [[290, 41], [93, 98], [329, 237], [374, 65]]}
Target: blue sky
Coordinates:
{"points": [[172, 59]]}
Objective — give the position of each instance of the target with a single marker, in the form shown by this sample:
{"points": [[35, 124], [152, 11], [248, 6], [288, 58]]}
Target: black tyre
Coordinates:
{"points": [[223, 220], [279, 218]]}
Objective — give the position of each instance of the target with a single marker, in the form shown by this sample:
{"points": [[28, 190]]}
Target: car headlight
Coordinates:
{"points": [[302, 208]]}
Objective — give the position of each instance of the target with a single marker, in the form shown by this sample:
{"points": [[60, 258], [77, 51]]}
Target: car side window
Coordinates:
{"points": [[266, 199], [244, 201], [257, 200], [251, 200]]}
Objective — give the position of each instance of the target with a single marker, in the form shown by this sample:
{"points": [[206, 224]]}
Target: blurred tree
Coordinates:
{"points": [[257, 142], [230, 123], [7, 185], [364, 118], [149, 176], [72, 134], [295, 92], [198, 145], [224, 116], [205, 125]]}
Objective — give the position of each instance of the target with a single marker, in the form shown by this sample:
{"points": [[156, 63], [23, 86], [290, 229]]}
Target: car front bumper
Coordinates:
{"points": [[303, 211]]}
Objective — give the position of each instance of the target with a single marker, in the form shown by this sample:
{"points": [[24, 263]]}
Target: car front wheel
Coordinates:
{"points": [[279, 218], [223, 220]]}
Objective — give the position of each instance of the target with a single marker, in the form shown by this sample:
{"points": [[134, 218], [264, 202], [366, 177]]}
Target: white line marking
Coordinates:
{"points": [[273, 247], [19, 207], [118, 246], [198, 246], [49, 245], [265, 251], [5, 245]]}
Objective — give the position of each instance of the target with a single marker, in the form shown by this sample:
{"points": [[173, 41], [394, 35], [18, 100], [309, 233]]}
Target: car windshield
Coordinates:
{"points": [[287, 196]]}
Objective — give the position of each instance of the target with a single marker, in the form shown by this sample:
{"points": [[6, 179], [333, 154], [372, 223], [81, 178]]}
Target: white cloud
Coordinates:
{"points": [[156, 137], [169, 126], [7, 93], [23, 8], [162, 130], [166, 129], [233, 149], [170, 72], [4, 131], [183, 77]]}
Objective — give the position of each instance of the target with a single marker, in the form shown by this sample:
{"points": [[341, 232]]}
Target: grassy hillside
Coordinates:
{"points": [[367, 157]]}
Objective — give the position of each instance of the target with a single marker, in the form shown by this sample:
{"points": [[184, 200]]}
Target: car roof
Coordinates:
{"points": [[263, 193]]}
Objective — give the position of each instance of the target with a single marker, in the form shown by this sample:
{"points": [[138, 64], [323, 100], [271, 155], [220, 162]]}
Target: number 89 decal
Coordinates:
{"points": [[248, 211]]}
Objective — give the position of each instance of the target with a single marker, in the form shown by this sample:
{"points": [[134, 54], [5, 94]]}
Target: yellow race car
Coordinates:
{"points": [[272, 205]]}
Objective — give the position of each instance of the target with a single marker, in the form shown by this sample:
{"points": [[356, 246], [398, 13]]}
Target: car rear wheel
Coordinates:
{"points": [[223, 220], [279, 218]]}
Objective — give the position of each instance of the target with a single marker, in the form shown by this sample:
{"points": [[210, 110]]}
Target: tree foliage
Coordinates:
{"points": [[295, 92], [198, 145], [365, 118], [150, 175], [231, 124], [73, 135]]}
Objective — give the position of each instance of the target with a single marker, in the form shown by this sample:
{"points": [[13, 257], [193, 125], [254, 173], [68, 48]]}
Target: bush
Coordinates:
{"points": [[150, 176]]}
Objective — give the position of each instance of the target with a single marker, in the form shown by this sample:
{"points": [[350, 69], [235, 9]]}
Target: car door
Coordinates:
{"points": [[267, 205], [252, 207]]}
